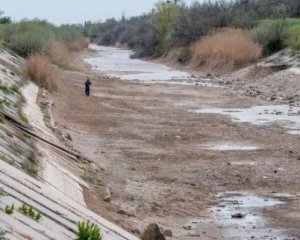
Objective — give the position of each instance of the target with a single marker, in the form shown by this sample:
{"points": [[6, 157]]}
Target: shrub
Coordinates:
{"points": [[294, 37], [40, 70], [78, 44], [28, 37], [59, 53], [226, 45], [88, 231], [30, 212], [271, 34]]}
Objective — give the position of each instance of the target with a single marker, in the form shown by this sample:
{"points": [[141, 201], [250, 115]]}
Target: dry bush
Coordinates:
{"points": [[40, 70], [227, 46], [59, 53], [181, 55], [78, 44]]}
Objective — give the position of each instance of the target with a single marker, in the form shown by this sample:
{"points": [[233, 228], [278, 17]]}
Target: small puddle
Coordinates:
{"points": [[284, 115], [243, 163], [221, 224], [229, 147]]}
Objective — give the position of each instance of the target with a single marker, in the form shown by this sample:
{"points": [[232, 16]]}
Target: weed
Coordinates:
{"points": [[2, 235], [30, 212], [30, 165], [4, 88], [9, 209], [38, 217], [88, 231], [5, 159], [40, 70], [15, 89], [26, 135], [24, 209], [4, 102], [22, 116]]}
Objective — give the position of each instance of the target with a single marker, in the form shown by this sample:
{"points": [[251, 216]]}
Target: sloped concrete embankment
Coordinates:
{"points": [[35, 173]]}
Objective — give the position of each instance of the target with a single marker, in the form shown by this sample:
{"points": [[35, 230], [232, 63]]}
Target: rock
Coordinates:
{"points": [[153, 233], [136, 232], [178, 137], [68, 136], [44, 92], [9, 134], [168, 233], [122, 212], [187, 227], [273, 97], [238, 215], [221, 206], [107, 197]]}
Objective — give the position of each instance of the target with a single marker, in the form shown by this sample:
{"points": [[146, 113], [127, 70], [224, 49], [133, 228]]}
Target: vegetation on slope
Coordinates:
{"points": [[42, 44], [174, 25]]}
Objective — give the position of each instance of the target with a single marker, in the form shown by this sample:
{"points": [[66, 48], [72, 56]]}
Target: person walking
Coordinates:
{"points": [[88, 87]]}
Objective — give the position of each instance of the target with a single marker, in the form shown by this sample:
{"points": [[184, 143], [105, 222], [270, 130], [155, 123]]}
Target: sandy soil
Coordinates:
{"points": [[146, 145]]}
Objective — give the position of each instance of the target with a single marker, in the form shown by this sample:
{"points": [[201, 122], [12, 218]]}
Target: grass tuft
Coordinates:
{"points": [[5, 159], [40, 70], [88, 231], [30, 165], [227, 45]]}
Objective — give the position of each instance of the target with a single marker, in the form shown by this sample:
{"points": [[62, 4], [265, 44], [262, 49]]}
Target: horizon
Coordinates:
{"points": [[67, 12]]}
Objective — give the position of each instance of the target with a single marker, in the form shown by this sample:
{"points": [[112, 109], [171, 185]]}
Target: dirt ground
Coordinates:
{"points": [[146, 147]]}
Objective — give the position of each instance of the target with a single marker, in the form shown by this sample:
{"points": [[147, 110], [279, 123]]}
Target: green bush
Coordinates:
{"points": [[30, 37], [274, 34], [68, 33], [271, 34], [88, 231], [294, 37]]}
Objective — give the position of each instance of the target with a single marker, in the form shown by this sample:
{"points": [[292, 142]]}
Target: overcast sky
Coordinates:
{"points": [[74, 11]]}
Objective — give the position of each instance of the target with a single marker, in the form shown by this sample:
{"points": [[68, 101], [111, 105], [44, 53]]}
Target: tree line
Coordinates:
{"points": [[173, 24]]}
